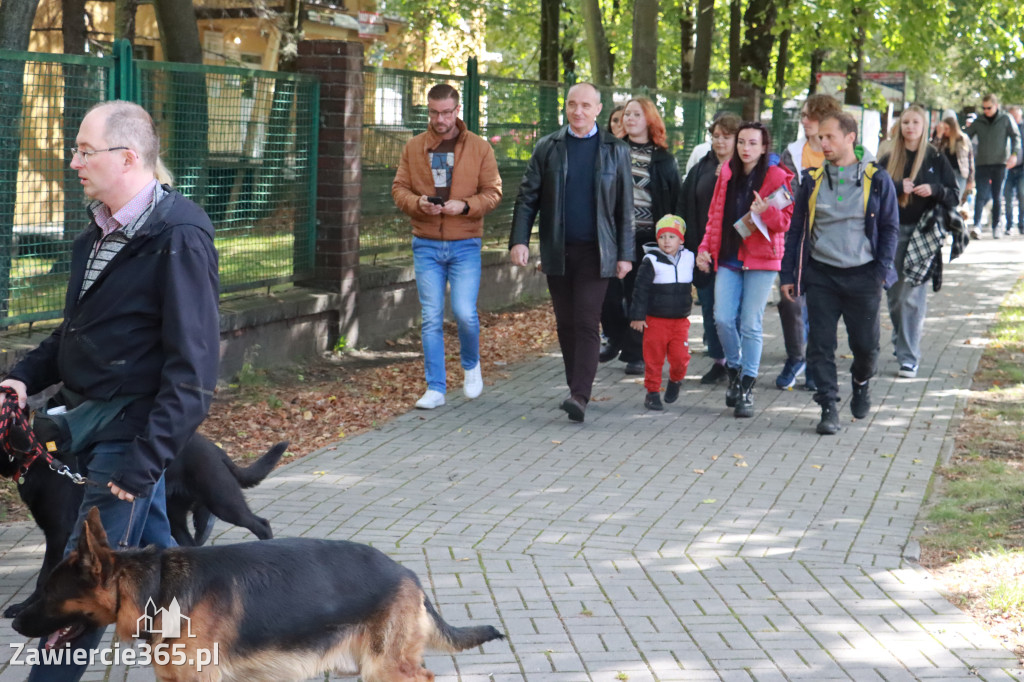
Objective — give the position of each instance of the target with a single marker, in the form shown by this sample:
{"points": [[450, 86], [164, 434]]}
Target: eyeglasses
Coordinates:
{"points": [[721, 138], [432, 113], [83, 155]]}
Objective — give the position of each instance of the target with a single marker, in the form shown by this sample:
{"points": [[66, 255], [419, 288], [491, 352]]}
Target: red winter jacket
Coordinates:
{"points": [[756, 252]]}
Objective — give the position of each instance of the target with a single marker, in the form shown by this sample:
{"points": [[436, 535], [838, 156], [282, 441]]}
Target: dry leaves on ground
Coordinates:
{"points": [[328, 400]]}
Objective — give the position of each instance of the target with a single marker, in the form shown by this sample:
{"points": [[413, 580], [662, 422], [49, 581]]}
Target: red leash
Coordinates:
{"points": [[14, 417]]}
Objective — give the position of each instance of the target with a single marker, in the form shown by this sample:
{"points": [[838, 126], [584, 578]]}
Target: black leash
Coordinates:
{"points": [[13, 417]]}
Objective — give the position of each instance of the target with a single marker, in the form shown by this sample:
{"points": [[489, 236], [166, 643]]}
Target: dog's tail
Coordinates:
{"points": [[251, 475], [444, 637]]}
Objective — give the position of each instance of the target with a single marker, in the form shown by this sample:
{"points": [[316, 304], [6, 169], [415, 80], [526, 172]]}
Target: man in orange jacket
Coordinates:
{"points": [[447, 181]]}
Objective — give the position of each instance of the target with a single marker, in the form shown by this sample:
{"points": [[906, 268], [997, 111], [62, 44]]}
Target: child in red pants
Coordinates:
{"points": [[661, 309]]}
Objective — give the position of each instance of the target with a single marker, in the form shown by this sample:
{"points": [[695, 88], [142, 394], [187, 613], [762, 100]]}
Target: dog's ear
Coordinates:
{"points": [[95, 557]]}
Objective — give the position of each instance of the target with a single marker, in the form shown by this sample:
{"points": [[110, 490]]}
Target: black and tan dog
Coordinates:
{"points": [[273, 611], [202, 480]]}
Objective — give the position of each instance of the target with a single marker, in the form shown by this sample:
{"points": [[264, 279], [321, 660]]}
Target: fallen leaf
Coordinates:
{"points": [[709, 500], [698, 471], [815, 466]]}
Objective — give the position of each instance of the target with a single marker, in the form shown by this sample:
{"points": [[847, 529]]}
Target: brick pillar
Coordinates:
{"points": [[339, 66]]}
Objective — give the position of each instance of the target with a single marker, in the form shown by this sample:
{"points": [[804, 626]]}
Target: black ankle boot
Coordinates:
{"points": [[732, 393], [829, 424], [745, 404]]}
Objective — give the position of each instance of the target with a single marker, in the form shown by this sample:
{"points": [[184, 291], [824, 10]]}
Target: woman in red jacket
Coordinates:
{"points": [[745, 267]]}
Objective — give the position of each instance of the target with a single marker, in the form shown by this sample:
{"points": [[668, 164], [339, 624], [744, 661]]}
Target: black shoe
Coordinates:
{"points": [[732, 393], [609, 353], [672, 391], [829, 424], [634, 368], [574, 408], [653, 402], [745, 404], [809, 384], [715, 375], [860, 403]]}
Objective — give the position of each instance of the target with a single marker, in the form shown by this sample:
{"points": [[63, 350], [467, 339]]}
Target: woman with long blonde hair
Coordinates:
{"points": [[923, 179]]}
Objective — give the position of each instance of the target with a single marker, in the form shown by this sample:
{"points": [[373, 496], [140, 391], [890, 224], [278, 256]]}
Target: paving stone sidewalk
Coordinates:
{"points": [[686, 545]]}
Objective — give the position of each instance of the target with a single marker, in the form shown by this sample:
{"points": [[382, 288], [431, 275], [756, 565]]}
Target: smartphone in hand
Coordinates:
{"points": [[436, 200]]}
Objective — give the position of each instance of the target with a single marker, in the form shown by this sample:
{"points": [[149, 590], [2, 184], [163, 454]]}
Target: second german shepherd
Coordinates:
{"points": [[275, 610]]}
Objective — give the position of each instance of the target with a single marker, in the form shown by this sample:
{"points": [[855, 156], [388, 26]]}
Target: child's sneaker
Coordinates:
{"points": [[653, 401], [672, 391]]}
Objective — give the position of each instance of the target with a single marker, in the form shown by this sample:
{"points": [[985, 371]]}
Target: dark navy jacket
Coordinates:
{"points": [[881, 225], [148, 326]]}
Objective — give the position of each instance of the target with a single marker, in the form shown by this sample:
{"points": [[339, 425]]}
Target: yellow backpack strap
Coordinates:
{"points": [[815, 174], [869, 173]]}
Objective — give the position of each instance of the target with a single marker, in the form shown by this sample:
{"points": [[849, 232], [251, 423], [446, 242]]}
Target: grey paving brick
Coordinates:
{"points": [[600, 551]]}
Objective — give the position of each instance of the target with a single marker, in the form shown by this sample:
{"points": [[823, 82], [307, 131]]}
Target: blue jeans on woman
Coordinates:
{"points": [[439, 263], [139, 523], [743, 294]]}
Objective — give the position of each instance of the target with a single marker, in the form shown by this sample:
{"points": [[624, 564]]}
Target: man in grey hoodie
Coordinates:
{"points": [[992, 129]]}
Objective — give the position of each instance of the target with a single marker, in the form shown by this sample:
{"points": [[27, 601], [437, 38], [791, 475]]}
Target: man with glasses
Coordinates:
{"points": [[447, 181], [138, 348], [580, 181], [999, 146]]}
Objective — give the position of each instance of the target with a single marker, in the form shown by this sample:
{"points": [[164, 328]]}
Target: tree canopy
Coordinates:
{"points": [[953, 51]]}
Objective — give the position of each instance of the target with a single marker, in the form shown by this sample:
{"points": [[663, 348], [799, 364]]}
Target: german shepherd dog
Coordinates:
{"points": [[202, 479], [271, 611]]}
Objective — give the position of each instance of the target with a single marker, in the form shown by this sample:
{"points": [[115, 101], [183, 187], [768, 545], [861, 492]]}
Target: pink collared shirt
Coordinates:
{"points": [[126, 214]]}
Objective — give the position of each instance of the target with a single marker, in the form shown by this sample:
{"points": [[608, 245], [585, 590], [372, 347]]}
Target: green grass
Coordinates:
{"points": [[979, 505]]}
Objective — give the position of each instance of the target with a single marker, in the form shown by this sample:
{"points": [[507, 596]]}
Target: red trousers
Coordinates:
{"points": [[664, 336]]}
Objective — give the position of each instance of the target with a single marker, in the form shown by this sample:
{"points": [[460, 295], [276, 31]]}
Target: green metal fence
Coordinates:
{"points": [[240, 142], [513, 115]]}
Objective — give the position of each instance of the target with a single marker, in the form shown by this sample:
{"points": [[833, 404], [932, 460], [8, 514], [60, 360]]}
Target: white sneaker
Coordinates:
{"points": [[907, 371], [430, 400], [473, 384], [975, 233]]}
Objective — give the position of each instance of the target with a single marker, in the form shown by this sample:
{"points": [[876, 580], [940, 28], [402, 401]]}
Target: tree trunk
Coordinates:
{"points": [[73, 26], [16, 23], [735, 34], [80, 92], [686, 51], [186, 98], [756, 53], [15, 28], [817, 59], [782, 63], [549, 48], [702, 52], [124, 20], [179, 33], [644, 65], [597, 43], [855, 68]]}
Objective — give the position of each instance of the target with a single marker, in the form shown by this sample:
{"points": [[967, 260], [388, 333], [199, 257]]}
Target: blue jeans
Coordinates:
{"points": [[127, 524], [989, 180], [743, 294], [1014, 185], [439, 263]]}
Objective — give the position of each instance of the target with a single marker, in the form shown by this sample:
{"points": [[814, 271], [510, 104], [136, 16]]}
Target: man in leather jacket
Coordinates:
{"points": [[579, 181]]}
